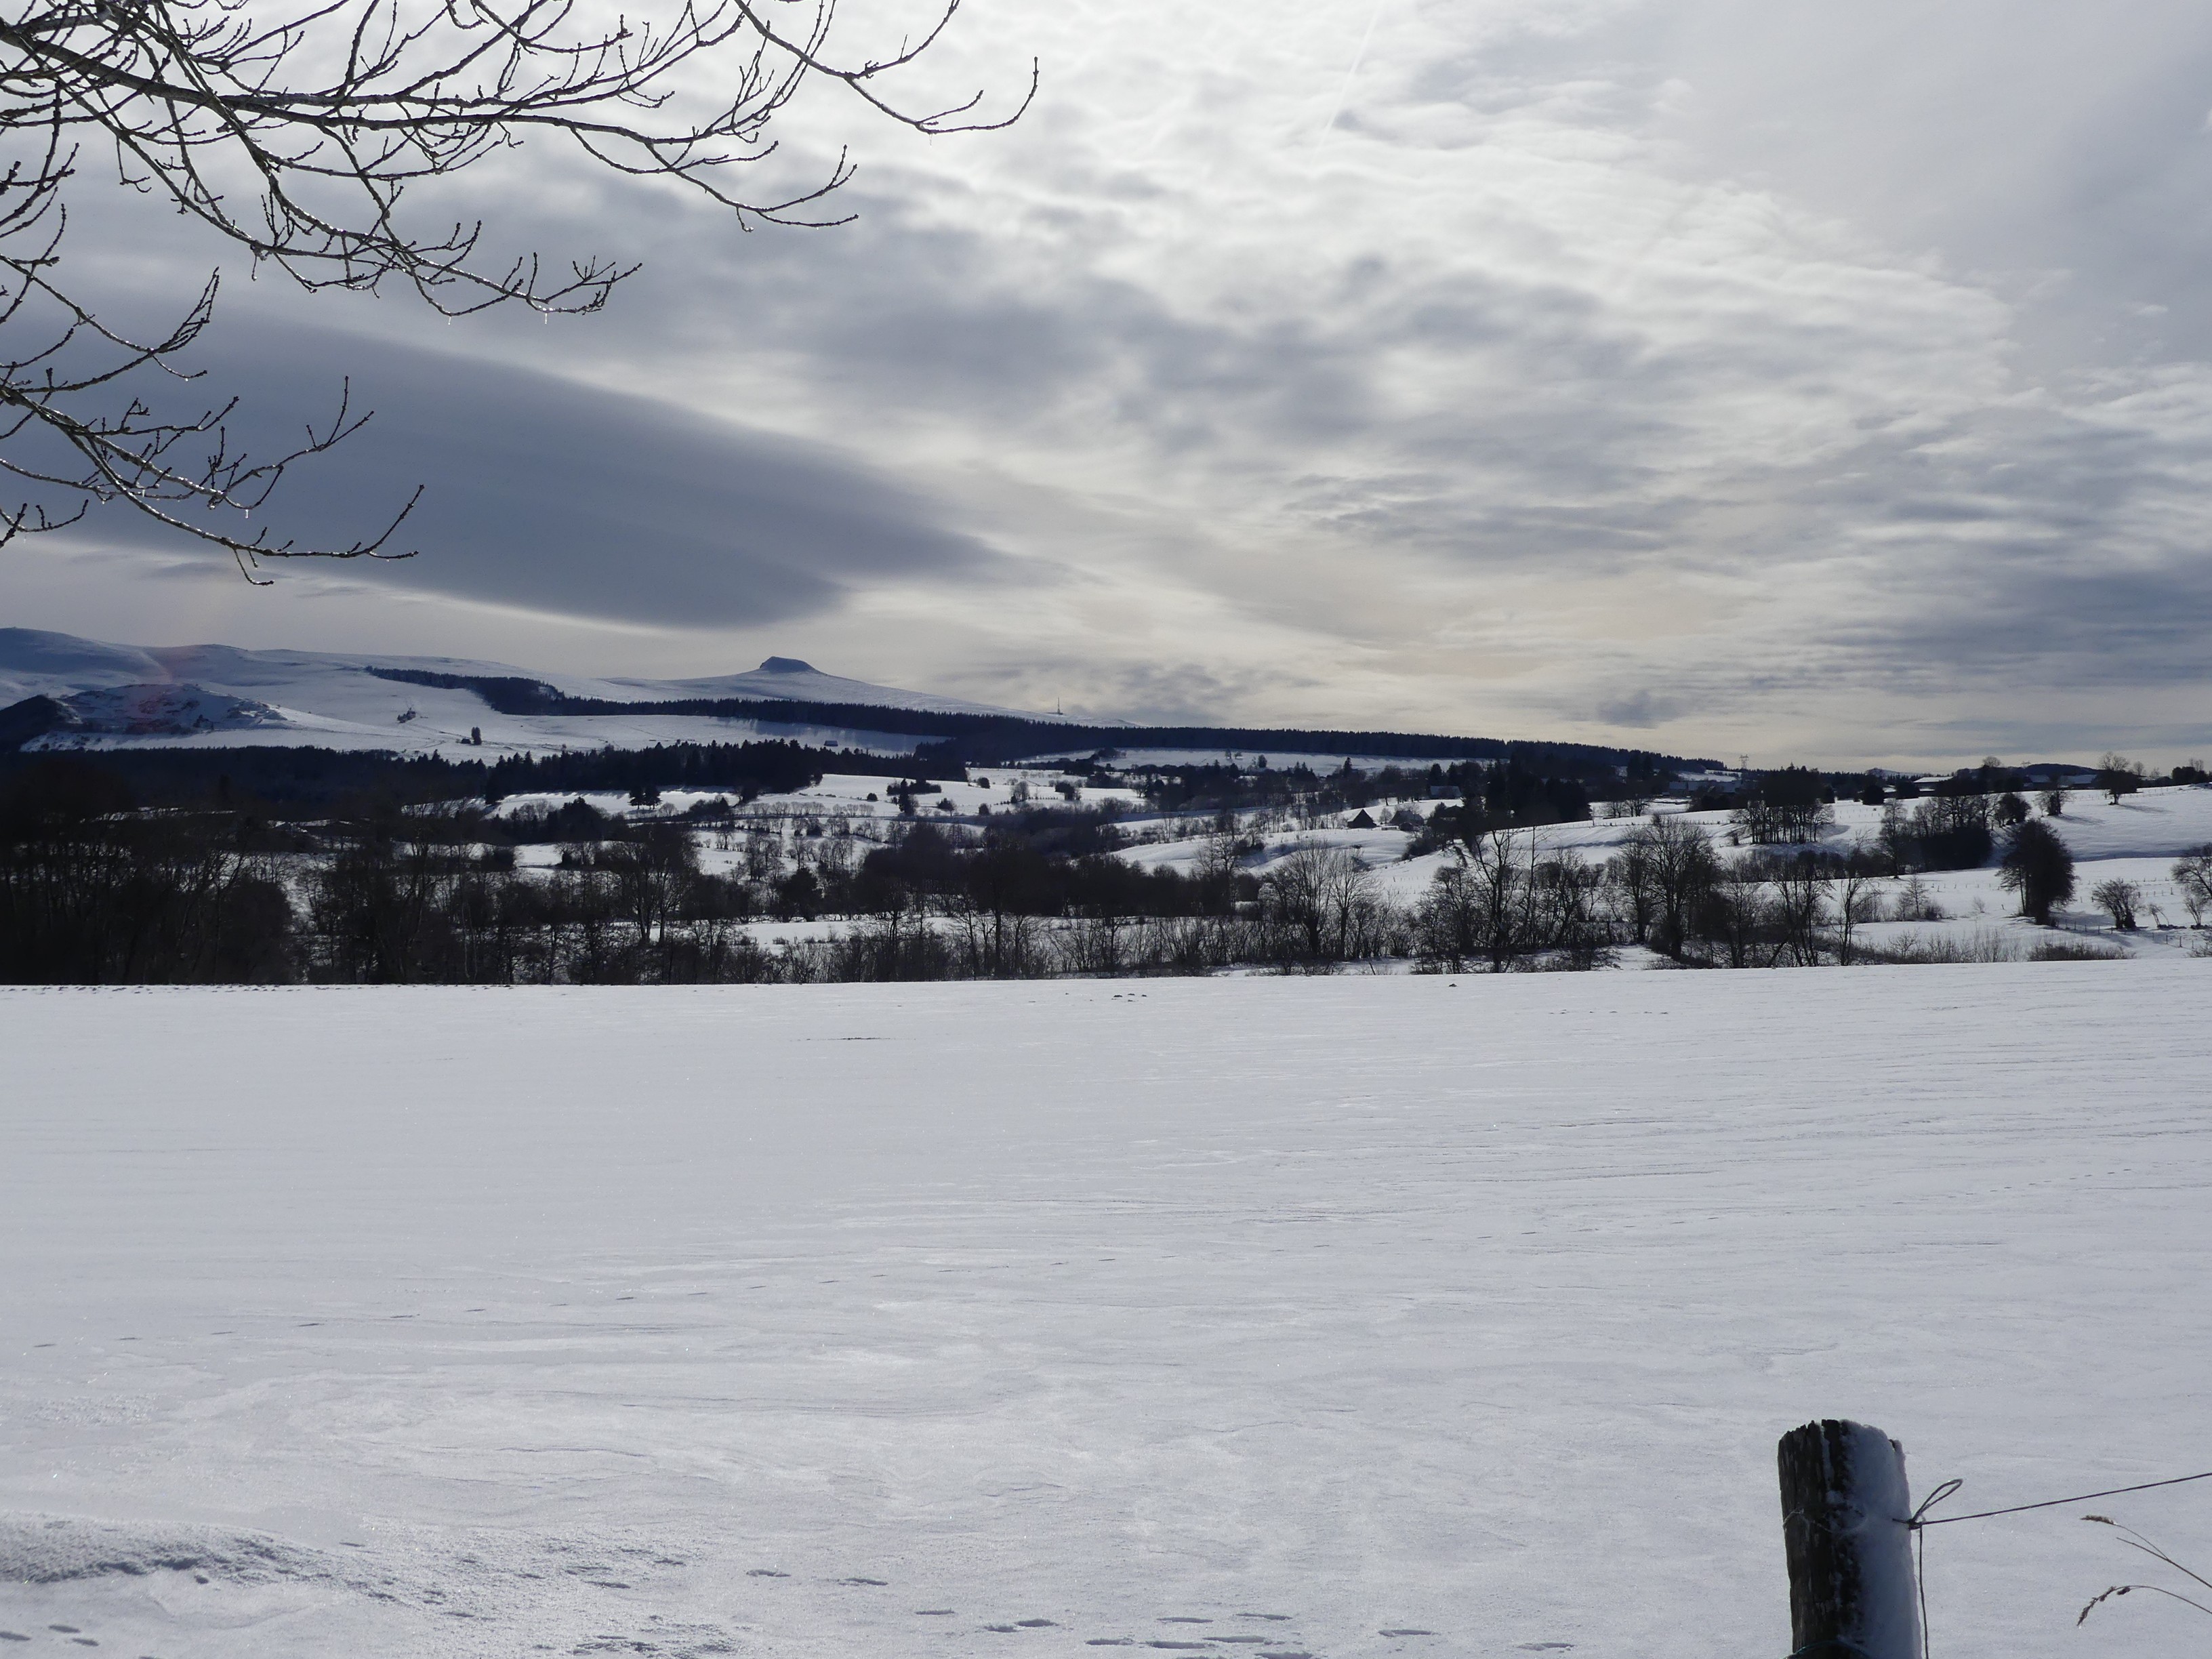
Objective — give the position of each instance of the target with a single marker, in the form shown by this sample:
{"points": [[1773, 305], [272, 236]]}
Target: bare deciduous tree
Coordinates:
{"points": [[1634, 889], [1495, 904], [1680, 868], [1568, 903], [1447, 922], [2117, 776], [1738, 918], [1914, 903], [1801, 886], [2192, 875], [297, 135], [1790, 804], [2118, 900], [1323, 907]]}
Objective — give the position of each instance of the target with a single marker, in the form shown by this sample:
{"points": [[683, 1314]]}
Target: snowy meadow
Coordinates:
{"points": [[1334, 1316]]}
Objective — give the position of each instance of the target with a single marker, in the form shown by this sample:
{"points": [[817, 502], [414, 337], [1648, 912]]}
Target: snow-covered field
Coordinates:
{"points": [[1341, 1317]]}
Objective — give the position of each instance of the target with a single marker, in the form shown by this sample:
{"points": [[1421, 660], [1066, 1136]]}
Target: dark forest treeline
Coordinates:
{"points": [[641, 910], [1498, 794], [312, 778], [288, 780], [91, 892]]}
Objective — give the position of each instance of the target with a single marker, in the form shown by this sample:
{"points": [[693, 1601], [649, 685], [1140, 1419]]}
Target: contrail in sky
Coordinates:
{"points": [[1358, 58]]}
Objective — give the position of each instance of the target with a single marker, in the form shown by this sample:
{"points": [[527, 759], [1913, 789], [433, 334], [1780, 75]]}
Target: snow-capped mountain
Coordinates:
{"points": [[111, 696]]}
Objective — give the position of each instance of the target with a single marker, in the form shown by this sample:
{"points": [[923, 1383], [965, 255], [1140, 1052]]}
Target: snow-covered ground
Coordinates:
{"points": [[1341, 1317], [1370, 848]]}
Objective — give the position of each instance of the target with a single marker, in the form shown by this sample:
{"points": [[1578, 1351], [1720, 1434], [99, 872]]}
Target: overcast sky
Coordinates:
{"points": [[1770, 376]]}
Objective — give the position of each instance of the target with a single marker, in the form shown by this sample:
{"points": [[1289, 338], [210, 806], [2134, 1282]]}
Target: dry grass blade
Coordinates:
{"points": [[2135, 1540]]}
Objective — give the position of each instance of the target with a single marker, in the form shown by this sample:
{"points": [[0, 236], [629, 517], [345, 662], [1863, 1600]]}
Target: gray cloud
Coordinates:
{"points": [[541, 492], [1640, 710]]}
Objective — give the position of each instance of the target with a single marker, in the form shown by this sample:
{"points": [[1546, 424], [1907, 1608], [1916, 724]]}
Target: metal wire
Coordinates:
{"points": [[1919, 1521], [1950, 1487]]}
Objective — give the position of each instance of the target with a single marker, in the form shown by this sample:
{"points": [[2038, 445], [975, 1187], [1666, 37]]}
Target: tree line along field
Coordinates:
{"points": [[801, 875]]}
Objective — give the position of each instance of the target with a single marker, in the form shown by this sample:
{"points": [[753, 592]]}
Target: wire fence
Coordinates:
{"points": [[1920, 1520]]}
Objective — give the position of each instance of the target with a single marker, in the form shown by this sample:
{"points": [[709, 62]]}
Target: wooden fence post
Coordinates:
{"points": [[1852, 1594]]}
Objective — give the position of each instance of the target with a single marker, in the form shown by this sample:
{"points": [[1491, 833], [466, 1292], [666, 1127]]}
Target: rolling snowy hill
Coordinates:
{"points": [[58, 692], [117, 695]]}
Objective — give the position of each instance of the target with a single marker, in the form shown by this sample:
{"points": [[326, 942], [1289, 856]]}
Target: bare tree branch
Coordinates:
{"points": [[298, 139]]}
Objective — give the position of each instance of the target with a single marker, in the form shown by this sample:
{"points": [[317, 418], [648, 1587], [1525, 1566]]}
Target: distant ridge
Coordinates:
{"points": [[94, 695], [57, 691], [959, 736]]}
